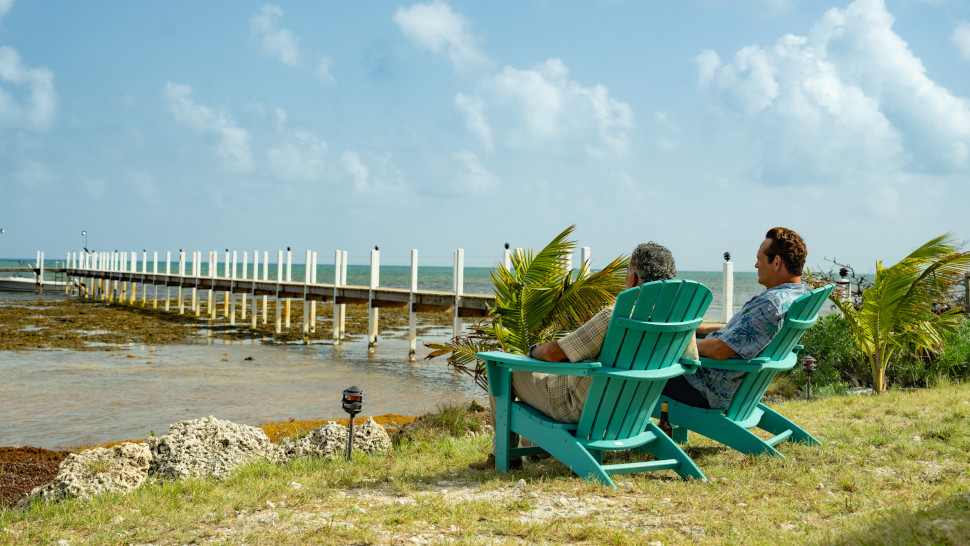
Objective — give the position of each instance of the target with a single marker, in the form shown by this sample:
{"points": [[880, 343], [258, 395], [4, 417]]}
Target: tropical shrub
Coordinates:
{"points": [[908, 308], [537, 300]]}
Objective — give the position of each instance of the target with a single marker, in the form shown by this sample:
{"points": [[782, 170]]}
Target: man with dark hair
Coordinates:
{"points": [[562, 396], [780, 260]]}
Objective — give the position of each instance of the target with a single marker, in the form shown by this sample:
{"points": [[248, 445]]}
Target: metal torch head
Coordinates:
{"points": [[353, 399]]}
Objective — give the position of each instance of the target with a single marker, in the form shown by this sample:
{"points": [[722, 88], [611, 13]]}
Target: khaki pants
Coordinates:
{"points": [[530, 388]]}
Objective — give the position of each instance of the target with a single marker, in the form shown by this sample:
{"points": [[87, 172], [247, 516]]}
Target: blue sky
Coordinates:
{"points": [[339, 125]]}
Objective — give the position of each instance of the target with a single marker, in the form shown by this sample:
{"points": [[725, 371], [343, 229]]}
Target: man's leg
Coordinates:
{"points": [[680, 390], [529, 388]]}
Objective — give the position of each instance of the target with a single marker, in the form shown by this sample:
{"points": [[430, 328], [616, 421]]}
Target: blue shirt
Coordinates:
{"points": [[747, 333]]}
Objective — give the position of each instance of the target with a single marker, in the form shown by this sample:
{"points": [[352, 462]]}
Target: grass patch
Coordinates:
{"points": [[893, 469]]}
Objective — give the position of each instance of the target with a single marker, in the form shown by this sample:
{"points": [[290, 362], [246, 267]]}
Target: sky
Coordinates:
{"points": [[699, 124]]}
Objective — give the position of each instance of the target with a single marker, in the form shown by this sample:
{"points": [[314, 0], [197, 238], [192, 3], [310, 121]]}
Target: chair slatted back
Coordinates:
{"points": [[649, 330], [800, 317]]}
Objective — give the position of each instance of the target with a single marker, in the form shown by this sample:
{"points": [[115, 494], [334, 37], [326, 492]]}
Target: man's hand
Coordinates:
{"points": [[714, 348], [549, 352]]}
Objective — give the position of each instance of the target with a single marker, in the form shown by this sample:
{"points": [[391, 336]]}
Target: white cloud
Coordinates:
{"points": [[473, 109], [233, 145], [961, 38], [436, 27], [5, 6], [323, 72], [473, 177], [274, 41], [302, 157], [849, 100], [35, 177], [144, 184], [356, 169], [541, 106], [95, 187], [35, 111]]}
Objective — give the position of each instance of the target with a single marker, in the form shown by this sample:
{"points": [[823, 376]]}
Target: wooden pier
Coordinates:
{"points": [[116, 276]]}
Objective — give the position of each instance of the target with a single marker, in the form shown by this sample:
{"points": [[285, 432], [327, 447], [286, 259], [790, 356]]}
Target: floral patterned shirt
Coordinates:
{"points": [[747, 333]]}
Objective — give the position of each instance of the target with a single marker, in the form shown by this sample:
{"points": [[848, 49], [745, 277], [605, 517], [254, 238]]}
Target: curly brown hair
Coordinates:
{"points": [[790, 246]]}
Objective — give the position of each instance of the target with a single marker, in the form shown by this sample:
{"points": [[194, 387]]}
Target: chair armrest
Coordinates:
{"points": [[690, 366], [734, 364], [528, 364]]}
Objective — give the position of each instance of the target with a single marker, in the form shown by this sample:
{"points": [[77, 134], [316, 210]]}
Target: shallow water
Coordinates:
{"points": [[62, 398]]}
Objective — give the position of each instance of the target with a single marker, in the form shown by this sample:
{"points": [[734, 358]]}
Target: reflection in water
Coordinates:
{"points": [[69, 398]]}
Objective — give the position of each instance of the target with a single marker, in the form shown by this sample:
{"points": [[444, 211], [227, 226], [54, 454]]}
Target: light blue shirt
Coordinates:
{"points": [[747, 333]]}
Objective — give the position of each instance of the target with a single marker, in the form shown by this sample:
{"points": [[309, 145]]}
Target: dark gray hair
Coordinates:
{"points": [[653, 262]]}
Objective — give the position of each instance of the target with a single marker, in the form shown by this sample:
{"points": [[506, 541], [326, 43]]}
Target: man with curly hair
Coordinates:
{"points": [[780, 260]]}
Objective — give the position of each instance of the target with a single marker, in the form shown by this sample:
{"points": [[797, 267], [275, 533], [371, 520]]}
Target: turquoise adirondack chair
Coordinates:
{"points": [[649, 330], [732, 427]]}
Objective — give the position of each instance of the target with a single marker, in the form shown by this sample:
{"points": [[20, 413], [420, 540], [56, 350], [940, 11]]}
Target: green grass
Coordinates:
{"points": [[893, 469]]}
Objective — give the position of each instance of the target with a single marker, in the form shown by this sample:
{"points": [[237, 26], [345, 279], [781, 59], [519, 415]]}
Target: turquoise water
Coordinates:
{"points": [[477, 280]]}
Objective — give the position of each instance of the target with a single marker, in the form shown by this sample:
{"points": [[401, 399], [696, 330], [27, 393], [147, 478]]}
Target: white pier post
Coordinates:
{"points": [[122, 295], [372, 317], [459, 284], [196, 270], [70, 265], [289, 278], [134, 272], [255, 312], [343, 306], [265, 278], [728, 290], [213, 273], [232, 291], [144, 271], [412, 318], [584, 259], [155, 279], [181, 281], [306, 302], [225, 293], [279, 279], [313, 304], [39, 273], [337, 258], [168, 271], [243, 296]]}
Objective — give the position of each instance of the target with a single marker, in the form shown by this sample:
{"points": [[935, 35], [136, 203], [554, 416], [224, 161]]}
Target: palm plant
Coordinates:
{"points": [[538, 299], [902, 308]]}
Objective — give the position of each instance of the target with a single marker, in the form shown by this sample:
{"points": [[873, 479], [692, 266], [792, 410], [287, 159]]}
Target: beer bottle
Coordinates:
{"points": [[664, 424]]}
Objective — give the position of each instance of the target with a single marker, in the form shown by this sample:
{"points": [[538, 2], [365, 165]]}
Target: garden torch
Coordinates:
{"points": [[353, 399], [808, 366]]}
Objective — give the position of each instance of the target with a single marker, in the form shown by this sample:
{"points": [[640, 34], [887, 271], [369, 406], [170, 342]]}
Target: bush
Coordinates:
{"points": [[838, 358]]}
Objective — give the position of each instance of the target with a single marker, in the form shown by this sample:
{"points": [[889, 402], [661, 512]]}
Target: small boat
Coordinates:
{"points": [[25, 284]]}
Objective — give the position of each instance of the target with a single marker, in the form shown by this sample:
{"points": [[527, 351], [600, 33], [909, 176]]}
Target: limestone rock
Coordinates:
{"points": [[208, 447], [330, 440], [123, 467]]}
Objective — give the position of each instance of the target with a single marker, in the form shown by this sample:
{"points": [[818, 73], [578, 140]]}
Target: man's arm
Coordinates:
{"points": [[714, 348], [550, 352], [704, 329]]}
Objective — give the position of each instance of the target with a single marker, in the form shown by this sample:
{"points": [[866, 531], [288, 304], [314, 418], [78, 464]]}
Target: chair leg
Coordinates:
{"points": [[665, 448], [719, 428], [680, 434], [776, 423]]}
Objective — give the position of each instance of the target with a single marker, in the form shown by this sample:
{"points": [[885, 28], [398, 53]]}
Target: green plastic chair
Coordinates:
{"points": [[649, 330], [732, 427]]}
